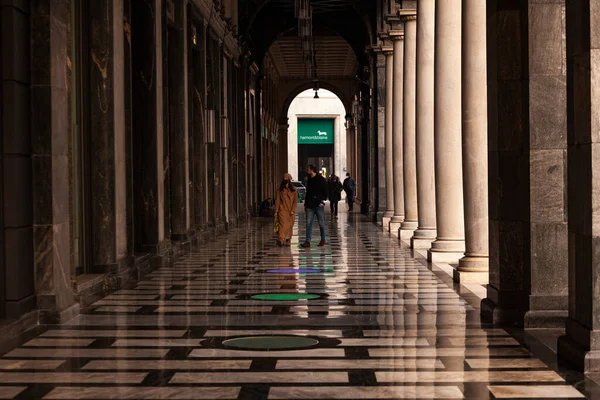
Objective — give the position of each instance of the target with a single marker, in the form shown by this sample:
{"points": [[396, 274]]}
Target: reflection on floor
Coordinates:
{"points": [[378, 325]]}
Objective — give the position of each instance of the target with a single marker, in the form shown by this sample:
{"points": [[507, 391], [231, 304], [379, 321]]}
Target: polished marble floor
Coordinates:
{"points": [[381, 325]]}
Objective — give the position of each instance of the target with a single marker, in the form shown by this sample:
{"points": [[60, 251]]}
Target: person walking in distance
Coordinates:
{"points": [[335, 194], [316, 194], [286, 201], [349, 188]]}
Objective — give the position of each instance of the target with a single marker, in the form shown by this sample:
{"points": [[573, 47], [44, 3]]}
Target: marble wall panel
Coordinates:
{"points": [[549, 260], [548, 112], [547, 188], [545, 45]]}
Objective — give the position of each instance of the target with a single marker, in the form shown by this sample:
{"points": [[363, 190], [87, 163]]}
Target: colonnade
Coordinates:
{"points": [[507, 107], [436, 132]]}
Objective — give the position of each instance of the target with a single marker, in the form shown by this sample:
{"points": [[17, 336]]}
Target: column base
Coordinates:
{"points": [[474, 264], [385, 222], [448, 251], [422, 238], [499, 316], [471, 277], [448, 257], [536, 319], [472, 269], [547, 311], [57, 317], [406, 234], [407, 229], [395, 228], [574, 347], [421, 243]]}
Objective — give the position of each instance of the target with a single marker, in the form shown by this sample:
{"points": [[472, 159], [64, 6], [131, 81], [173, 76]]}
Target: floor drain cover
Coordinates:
{"points": [[285, 296], [271, 342]]}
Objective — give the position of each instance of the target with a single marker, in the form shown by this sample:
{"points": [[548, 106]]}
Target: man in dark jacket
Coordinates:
{"points": [[316, 194], [350, 188], [335, 194]]}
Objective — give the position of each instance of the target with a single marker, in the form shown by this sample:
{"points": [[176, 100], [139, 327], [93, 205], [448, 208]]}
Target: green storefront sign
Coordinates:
{"points": [[315, 130]]}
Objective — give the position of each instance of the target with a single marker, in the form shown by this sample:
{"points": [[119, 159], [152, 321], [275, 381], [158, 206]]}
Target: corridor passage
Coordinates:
{"points": [[244, 319]]}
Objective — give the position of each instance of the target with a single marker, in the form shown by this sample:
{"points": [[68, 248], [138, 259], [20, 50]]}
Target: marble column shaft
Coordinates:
{"points": [[282, 138], [449, 245], [50, 121], [426, 231], [527, 218], [179, 130], [381, 103], [108, 135], [411, 215], [474, 266], [397, 37], [548, 286], [19, 204], [581, 344], [148, 124], [198, 136], [389, 152]]}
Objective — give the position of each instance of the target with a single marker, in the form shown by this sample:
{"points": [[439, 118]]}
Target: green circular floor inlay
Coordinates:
{"points": [[270, 342], [285, 296]]}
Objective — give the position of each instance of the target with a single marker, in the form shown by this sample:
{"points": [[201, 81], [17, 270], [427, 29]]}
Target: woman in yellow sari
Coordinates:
{"points": [[286, 201]]}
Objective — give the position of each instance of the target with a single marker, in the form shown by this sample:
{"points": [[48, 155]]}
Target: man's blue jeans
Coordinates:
{"points": [[310, 217]]}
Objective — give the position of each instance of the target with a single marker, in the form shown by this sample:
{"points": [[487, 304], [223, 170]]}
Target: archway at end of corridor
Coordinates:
{"points": [[317, 135]]}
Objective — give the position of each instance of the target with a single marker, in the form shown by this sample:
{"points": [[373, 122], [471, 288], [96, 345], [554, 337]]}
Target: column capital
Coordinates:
{"points": [[407, 15], [387, 51], [383, 35], [393, 20], [397, 35]]}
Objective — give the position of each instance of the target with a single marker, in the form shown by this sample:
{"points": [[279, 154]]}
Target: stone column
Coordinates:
{"points": [[389, 153], [527, 146], [179, 130], [473, 267], [17, 212], [450, 243], [107, 136], [282, 137], [397, 37], [381, 101], [411, 216], [148, 125], [580, 346], [50, 129], [426, 231]]}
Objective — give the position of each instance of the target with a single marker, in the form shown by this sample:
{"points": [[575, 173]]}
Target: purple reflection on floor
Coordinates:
{"points": [[293, 271]]}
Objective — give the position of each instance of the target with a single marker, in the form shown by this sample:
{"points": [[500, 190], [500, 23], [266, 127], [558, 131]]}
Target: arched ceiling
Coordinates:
{"points": [[263, 22], [334, 56]]}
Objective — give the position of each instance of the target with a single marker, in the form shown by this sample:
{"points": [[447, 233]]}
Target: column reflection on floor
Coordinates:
{"points": [[241, 318]]}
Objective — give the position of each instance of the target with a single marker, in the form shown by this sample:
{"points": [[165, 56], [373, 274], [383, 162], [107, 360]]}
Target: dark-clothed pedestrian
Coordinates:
{"points": [[316, 194], [335, 194], [349, 188]]}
